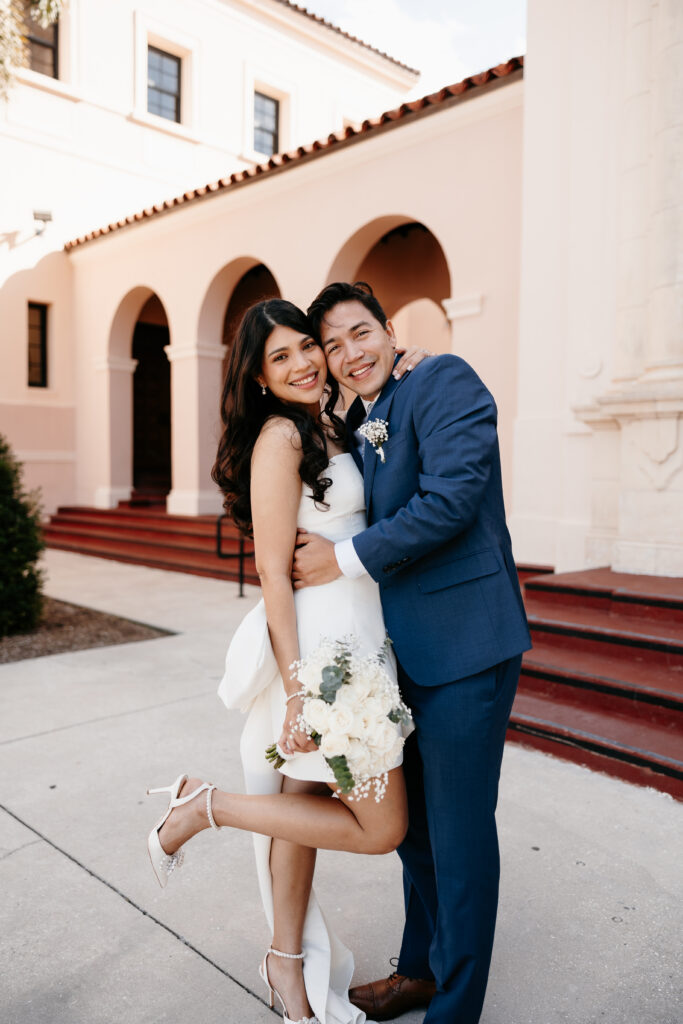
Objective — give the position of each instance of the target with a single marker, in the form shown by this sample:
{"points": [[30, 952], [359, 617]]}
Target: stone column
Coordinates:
{"points": [[664, 355], [195, 428], [651, 412], [117, 462], [457, 307], [645, 402], [632, 184]]}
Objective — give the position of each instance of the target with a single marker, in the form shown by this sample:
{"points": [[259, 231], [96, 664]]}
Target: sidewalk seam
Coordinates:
{"points": [[17, 849], [132, 903]]}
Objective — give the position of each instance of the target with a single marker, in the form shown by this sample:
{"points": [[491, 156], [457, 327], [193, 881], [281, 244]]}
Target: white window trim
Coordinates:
{"points": [[257, 79], [68, 58], [151, 32], [25, 76]]}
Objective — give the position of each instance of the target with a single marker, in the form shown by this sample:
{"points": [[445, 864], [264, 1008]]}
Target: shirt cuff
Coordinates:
{"points": [[348, 560]]}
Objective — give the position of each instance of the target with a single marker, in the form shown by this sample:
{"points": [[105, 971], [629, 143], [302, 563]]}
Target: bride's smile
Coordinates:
{"points": [[293, 368]]}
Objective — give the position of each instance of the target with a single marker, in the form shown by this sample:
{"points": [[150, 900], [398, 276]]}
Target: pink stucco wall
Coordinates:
{"points": [[457, 172]]}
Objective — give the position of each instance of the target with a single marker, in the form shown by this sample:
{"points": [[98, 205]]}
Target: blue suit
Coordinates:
{"points": [[438, 545]]}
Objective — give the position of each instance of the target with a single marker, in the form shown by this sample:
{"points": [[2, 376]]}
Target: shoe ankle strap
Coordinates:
{"points": [[286, 956], [209, 812]]}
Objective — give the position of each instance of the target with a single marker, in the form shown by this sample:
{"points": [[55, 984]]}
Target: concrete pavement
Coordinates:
{"points": [[589, 919]]}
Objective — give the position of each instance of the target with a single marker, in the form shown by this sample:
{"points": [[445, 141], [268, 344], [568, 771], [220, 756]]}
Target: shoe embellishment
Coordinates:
{"points": [[172, 861]]}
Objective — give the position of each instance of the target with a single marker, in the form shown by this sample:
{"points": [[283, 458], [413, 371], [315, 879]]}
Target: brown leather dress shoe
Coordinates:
{"points": [[392, 996]]}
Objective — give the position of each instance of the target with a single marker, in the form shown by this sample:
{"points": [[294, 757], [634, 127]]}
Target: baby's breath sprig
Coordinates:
{"points": [[376, 432]]}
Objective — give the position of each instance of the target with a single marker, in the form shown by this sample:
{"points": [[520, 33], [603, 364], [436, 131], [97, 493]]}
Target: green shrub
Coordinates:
{"points": [[21, 541]]}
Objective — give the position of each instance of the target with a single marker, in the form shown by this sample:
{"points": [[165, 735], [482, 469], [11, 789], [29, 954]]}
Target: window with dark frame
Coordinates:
{"points": [[266, 124], [163, 84], [42, 45], [37, 345]]}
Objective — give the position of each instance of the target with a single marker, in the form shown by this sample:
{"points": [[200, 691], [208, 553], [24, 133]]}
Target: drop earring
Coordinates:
{"points": [[264, 389]]}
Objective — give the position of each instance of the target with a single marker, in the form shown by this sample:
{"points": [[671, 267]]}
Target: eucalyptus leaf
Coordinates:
{"points": [[333, 673], [333, 678], [399, 716]]}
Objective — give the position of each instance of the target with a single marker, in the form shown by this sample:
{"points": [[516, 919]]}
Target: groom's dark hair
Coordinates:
{"points": [[341, 291]]}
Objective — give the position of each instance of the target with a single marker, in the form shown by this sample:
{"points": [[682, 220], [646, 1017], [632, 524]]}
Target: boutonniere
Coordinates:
{"points": [[376, 432]]}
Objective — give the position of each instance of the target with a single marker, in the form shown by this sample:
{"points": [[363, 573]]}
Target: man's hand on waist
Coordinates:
{"points": [[314, 561]]}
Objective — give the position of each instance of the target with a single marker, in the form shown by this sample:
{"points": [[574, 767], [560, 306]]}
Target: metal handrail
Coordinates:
{"points": [[239, 554]]}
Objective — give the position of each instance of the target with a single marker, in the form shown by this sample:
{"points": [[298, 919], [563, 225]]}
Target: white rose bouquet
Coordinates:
{"points": [[351, 710]]}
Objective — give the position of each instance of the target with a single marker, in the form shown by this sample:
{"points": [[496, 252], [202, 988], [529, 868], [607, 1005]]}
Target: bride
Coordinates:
{"points": [[281, 465]]}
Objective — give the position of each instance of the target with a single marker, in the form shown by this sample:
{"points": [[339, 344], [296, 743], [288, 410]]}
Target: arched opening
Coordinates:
{"points": [[255, 285], [233, 289], [151, 405], [406, 266], [137, 402], [422, 322], [359, 244]]}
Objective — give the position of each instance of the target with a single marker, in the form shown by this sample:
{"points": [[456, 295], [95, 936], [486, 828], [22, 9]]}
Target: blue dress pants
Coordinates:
{"points": [[451, 865]]}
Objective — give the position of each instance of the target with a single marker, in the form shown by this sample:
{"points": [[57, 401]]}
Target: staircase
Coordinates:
{"points": [[149, 536], [603, 685]]}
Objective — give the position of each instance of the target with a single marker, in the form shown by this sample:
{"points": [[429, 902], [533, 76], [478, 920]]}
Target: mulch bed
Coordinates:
{"points": [[70, 627]]}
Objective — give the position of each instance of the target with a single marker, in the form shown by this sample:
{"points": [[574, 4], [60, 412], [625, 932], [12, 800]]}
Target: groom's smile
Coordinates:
{"points": [[359, 351]]}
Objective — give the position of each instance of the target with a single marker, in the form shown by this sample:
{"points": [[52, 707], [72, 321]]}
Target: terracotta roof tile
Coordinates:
{"points": [[340, 31], [283, 161]]}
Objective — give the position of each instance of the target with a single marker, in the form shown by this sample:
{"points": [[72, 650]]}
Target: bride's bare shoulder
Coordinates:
{"points": [[280, 438]]}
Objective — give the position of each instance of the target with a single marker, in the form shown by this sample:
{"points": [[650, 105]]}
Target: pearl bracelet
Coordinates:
{"points": [[299, 693]]}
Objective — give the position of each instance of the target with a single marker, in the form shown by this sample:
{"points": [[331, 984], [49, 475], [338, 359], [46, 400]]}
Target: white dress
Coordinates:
{"points": [[252, 681]]}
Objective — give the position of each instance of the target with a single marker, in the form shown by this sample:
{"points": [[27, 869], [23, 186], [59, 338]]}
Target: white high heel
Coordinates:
{"points": [[164, 864], [263, 971]]}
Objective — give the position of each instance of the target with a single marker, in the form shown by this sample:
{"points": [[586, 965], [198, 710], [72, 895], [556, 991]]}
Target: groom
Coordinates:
{"points": [[439, 548]]}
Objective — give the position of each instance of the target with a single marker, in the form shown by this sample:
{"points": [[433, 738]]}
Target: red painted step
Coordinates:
{"points": [[602, 671], [624, 768], [617, 705], [173, 561], [134, 534], [151, 537], [659, 743], [640, 597], [527, 571], [577, 732], [603, 685], [593, 630], [124, 518]]}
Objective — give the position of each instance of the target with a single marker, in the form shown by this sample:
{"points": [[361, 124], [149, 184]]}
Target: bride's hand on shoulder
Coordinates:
{"points": [[292, 739], [410, 358]]}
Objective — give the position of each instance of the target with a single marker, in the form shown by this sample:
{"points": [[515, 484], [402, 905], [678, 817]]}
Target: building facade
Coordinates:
{"points": [[335, 210], [532, 226], [123, 105]]}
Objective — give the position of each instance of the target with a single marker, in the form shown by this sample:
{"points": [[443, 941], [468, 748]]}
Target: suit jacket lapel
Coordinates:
{"points": [[380, 411]]}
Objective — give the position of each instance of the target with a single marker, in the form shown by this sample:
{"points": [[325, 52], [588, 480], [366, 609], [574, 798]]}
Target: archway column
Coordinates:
{"points": [[195, 428], [117, 465], [460, 307]]}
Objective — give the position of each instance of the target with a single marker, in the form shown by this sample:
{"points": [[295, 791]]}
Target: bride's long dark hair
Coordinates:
{"points": [[244, 410]]}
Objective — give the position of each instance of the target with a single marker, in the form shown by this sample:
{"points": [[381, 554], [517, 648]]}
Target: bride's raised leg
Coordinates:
{"points": [[358, 826], [291, 869]]}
